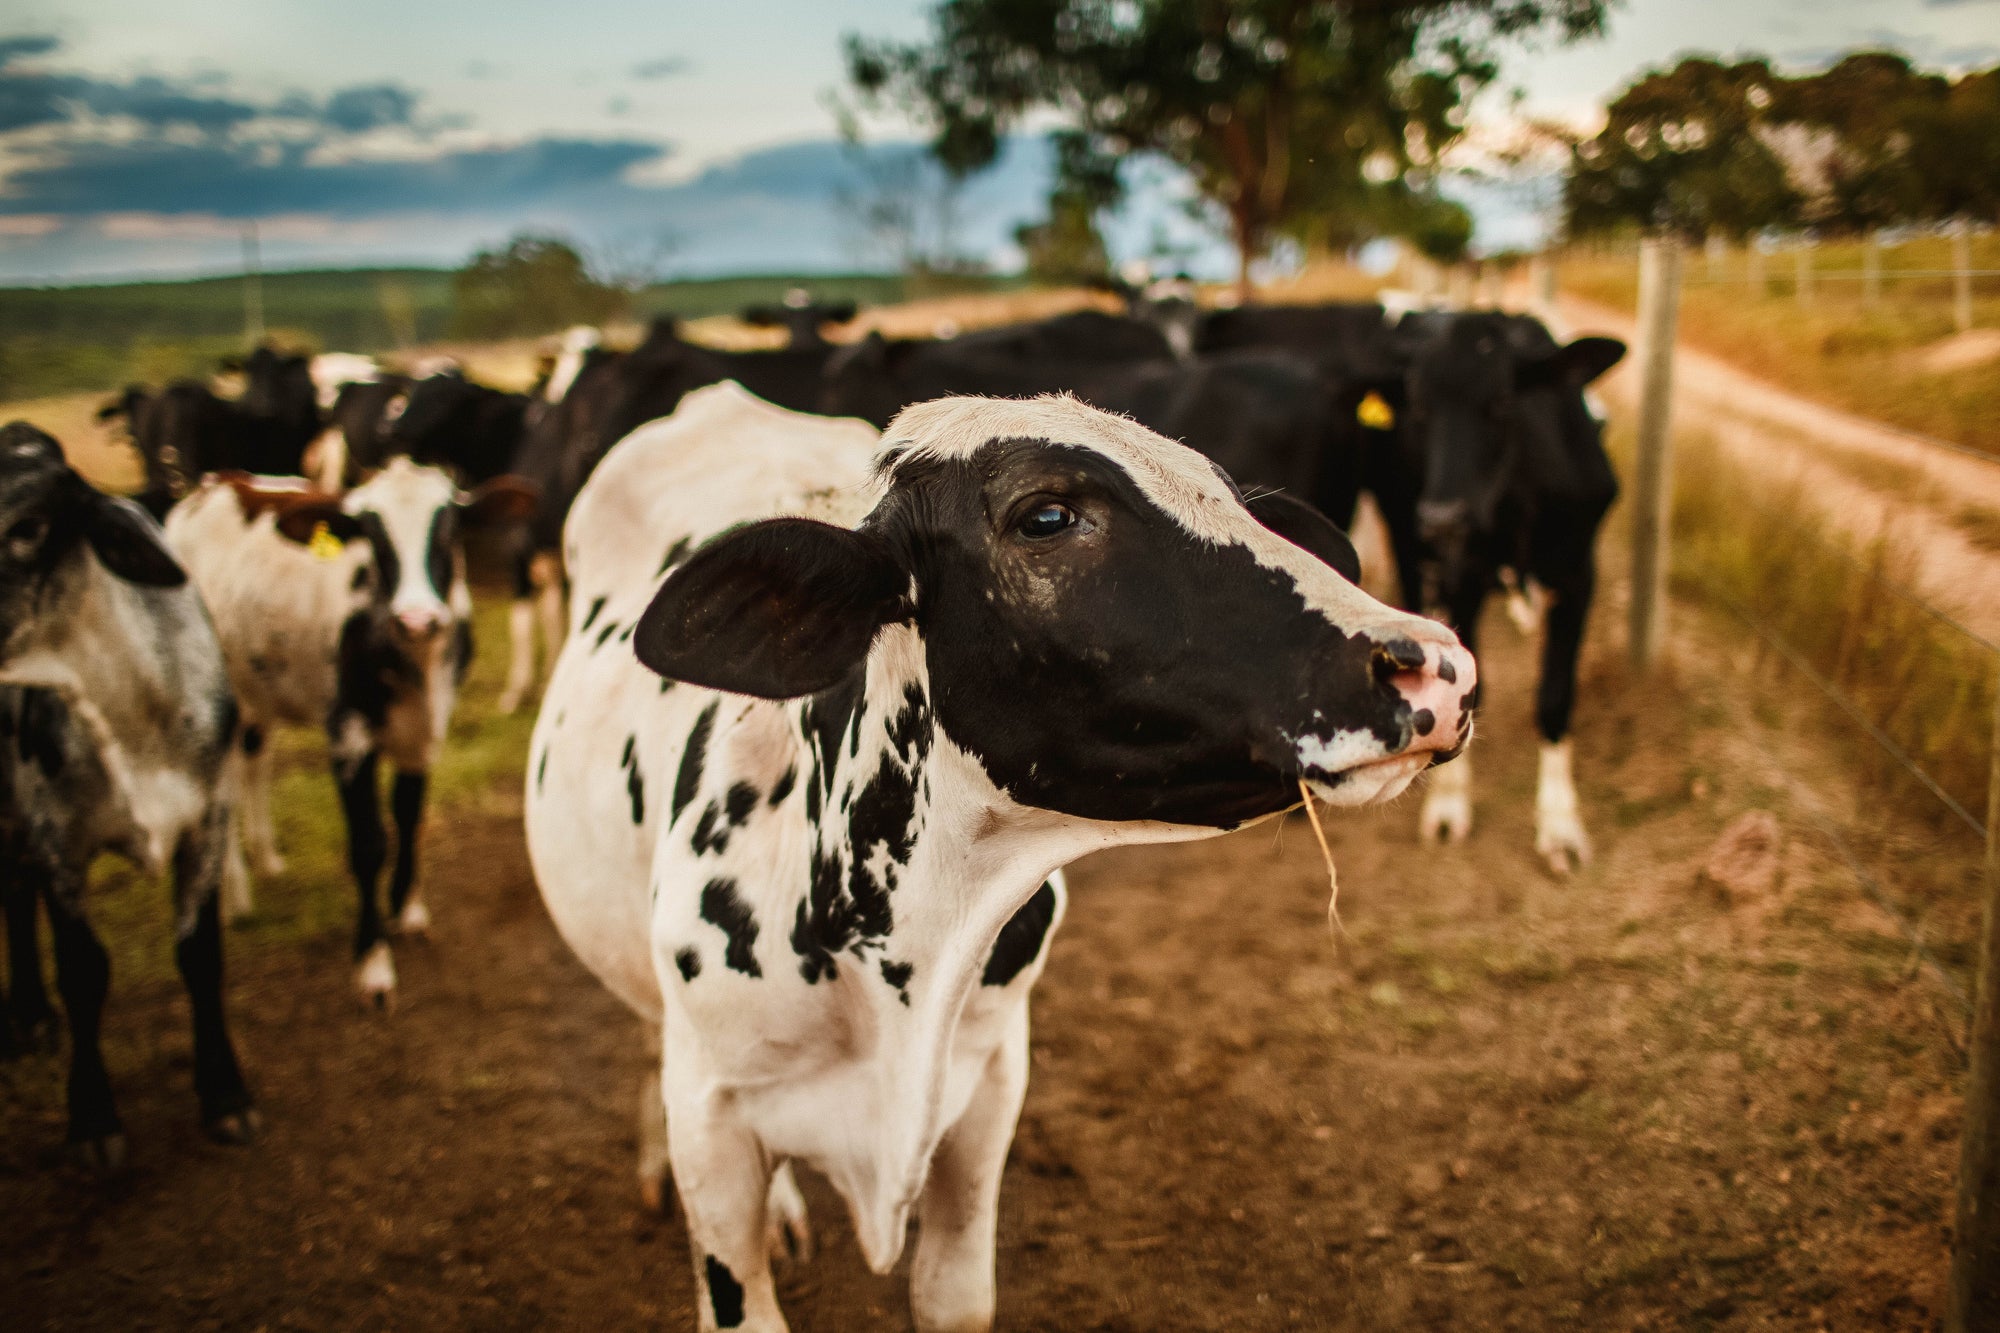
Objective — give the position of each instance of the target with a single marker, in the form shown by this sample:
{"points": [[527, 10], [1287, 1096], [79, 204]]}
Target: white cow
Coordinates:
{"points": [[816, 849]]}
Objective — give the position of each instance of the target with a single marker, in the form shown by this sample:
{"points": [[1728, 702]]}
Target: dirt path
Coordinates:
{"points": [[1499, 1102], [1942, 507]]}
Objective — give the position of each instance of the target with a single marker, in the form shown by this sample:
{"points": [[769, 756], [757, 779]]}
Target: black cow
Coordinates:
{"points": [[186, 431], [468, 428], [804, 321], [1500, 473], [101, 638]]}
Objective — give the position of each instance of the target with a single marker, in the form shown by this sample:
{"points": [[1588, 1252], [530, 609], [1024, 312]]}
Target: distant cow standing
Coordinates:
{"points": [[349, 612], [898, 688], [1502, 474], [116, 715]]}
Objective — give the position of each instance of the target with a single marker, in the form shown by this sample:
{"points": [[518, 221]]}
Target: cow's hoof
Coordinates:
{"points": [[102, 1156], [236, 1127], [414, 919], [1561, 843], [375, 979], [787, 1232], [1446, 817]]}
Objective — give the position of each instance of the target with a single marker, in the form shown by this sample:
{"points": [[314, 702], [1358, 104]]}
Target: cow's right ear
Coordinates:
{"points": [[301, 523], [129, 543], [778, 609], [1306, 528]]}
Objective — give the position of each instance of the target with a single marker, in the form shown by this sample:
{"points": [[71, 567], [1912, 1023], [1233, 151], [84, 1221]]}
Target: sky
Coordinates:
{"points": [[136, 139]]}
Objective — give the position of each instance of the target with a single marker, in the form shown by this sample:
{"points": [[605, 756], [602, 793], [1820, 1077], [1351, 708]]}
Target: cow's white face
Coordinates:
{"points": [[410, 515], [1106, 627]]}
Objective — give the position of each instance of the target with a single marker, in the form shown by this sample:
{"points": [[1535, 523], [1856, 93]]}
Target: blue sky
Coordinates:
{"points": [[136, 139]]}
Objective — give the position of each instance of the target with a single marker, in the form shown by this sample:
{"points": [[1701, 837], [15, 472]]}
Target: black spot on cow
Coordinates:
{"points": [[825, 719], [542, 768], [742, 799], [707, 837], [910, 729], [665, 685], [725, 1293], [688, 781], [785, 784], [821, 927], [625, 635], [635, 781], [253, 741], [898, 975], [688, 961], [721, 907], [675, 554], [884, 813], [590, 616], [610, 628], [812, 795], [1021, 938]]}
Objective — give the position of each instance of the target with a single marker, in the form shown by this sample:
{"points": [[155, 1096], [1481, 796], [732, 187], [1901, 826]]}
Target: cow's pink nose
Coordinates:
{"points": [[1437, 680], [420, 624]]}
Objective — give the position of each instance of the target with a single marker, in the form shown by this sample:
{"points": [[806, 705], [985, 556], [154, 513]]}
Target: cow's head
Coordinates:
{"points": [[1491, 400], [413, 516], [52, 522], [1106, 626], [280, 386]]}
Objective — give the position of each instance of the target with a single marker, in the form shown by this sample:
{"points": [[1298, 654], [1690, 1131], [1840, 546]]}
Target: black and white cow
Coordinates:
{"points": [[1501, 476], [898, 688], [349, 612], [115, 717]]}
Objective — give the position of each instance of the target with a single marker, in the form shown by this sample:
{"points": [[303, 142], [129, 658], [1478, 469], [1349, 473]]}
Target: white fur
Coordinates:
{"points": [[330, 370], [576, 342], [1559, 836], [1447, 811]]}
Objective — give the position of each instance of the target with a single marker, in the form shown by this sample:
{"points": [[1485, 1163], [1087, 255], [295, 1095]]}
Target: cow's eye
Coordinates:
{"points": [[1046, 520], [25, 538]]}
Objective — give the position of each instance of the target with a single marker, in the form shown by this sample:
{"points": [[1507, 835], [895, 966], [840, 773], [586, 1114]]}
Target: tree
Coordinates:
{"points": [[1312, 118], [1847, 136], [1682, 152], [531, 285]]}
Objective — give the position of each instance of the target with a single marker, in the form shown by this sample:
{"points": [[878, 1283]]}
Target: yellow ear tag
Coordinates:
{"points": [[1374, 413], [324, 544]]}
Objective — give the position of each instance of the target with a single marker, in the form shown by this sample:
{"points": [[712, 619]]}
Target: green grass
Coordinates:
{"points": [[1868, 361]]}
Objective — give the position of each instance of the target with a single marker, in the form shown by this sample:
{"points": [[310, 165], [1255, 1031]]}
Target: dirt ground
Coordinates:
{"points": [[1497, 1100]]}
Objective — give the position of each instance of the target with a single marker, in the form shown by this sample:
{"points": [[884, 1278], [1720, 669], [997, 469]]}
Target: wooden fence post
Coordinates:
{"points": [[1653, 503], [1961, 276], [1871, 271], [1974, 1301]]}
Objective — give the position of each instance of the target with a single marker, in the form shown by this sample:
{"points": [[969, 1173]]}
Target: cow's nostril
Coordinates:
{"points": [[1396, 657]]}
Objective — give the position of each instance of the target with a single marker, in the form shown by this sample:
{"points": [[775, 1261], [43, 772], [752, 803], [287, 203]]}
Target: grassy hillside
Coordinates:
{"points": [[57, 340]]}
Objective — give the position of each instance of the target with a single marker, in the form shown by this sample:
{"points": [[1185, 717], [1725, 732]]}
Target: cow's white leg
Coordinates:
{"points": [[951, 1278], [261, 840], [786, 1228], [237, 890], [375, 977], [723, 1177], [521, 654], [1559, 836], [1447, 811]]}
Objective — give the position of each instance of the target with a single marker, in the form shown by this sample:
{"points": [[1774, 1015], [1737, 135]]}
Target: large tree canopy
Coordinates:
{"points": [[1321, 119]]}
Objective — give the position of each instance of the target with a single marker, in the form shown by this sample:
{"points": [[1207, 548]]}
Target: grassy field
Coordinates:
{"points": [[1900, 362], [58, 340]]}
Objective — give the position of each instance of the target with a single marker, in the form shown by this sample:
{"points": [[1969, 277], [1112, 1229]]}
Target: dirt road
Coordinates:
{"points": [[1499, 1101], [1941, 507]]}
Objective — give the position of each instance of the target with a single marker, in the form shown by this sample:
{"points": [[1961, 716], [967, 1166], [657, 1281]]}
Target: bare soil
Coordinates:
{"points": [[1495, 1100]]}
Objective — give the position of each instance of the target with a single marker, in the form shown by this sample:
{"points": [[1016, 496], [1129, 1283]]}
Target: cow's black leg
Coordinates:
{"points": [[367, 848], [406, 803], [226, 1105], [31, 1019], [83, 976]]}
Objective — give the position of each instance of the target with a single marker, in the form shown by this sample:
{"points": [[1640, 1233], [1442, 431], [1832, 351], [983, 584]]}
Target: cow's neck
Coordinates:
{"points": [[155, 715], [974, 858]]}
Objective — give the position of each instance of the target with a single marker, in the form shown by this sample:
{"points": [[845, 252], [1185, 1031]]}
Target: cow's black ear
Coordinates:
{"points": [[1574, 365], [1305, 527], [301, 523], [777, 609], [129, 544]]}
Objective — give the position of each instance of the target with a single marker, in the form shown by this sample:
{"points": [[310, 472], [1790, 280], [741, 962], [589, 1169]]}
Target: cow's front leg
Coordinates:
{"points": [[83, 976], [1446, 815], [367, 848], [723, 1177], [520, 654], [406, 905], [259, 838], [227, 1112], [30, 1020], [1560, 839], [952, 1288]]}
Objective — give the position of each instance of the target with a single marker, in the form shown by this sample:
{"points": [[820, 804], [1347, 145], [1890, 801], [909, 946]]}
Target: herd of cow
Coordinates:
{"points": [[863, 643]]}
